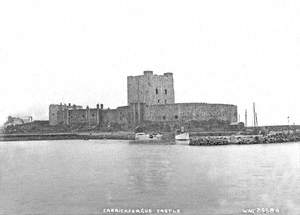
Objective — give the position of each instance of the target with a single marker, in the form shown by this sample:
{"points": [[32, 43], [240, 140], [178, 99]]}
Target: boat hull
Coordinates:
{"points": [[182, 136], [147, 137]]}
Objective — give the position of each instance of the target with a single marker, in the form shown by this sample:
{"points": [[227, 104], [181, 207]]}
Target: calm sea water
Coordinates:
{"points": [[85, 177]]}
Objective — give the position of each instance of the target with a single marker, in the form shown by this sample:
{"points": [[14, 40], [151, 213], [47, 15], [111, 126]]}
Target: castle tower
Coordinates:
{"points": [[150, 89]]}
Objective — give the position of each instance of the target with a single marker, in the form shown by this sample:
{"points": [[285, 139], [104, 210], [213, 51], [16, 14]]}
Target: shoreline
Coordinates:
{"points": [[195, 140], [68, 136]]}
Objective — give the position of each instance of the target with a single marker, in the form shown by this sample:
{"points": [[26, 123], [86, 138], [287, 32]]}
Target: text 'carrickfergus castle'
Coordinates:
{"points": [[151, 98]]}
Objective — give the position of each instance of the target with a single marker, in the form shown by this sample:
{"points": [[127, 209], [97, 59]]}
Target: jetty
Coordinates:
{"points": [[243, 139]]}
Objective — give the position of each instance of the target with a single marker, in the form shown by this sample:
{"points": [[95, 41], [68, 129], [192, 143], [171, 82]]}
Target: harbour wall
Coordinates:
{"points": [[243, 139]]}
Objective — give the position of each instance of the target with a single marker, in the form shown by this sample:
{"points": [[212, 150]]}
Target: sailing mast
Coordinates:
{"points": [[256, 119], [246, 118], [255, 123]]}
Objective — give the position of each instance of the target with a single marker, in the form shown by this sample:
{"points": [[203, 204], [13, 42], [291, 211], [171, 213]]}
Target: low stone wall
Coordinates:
{"points": [[245, 139], [68, 136]]}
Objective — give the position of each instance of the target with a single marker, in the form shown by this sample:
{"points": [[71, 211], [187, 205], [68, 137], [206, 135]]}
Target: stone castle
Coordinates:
{"points": [[151, 98]]}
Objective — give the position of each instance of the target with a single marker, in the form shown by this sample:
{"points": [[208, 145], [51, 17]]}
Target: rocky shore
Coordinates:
{"points": [[243, 139]]}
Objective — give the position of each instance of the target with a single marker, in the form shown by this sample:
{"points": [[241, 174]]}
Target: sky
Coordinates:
{"points": [[81, 52]]}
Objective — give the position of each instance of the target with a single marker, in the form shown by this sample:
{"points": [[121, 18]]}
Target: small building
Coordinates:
{"points": [[13, 121]]}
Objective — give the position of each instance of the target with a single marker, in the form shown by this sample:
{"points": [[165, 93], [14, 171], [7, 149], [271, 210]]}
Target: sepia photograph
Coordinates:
{"points": [[130, 107]]}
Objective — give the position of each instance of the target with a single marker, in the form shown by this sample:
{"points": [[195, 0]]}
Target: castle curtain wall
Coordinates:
{"points": [[191, 111], [151, 97]]}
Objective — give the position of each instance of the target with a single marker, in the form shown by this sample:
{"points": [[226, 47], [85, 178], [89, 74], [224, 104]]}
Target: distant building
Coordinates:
{"points": [[151, 98], [12, 121]]}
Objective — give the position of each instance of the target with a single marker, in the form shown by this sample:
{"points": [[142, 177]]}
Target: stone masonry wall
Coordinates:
{"points": [[95, 116], [53, 114], [150, 98], [191, 111], [58, 113], [151, 89]]}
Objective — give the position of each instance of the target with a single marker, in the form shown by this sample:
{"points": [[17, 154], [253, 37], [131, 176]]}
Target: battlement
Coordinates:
{"points": [[148, 72], [168, 74]]}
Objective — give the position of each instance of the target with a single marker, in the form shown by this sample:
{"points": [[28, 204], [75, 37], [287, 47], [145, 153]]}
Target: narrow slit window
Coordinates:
{"points": [[166, 91], [156, 91]]}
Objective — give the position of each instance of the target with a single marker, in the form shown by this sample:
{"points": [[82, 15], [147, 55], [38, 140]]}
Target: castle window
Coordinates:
{"points": [[176, 116], [166, 91], [156, 91], [164, 117], [158, 101], [93, 115], [83, 116], [165, 101]]}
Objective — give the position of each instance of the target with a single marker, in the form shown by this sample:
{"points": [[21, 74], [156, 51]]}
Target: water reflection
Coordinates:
{"points": [[56, 177], [148, 167]]}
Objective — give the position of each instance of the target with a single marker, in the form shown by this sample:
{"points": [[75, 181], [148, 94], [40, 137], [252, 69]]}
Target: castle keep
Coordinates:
{"points": [[150, 98], [150, 89]]}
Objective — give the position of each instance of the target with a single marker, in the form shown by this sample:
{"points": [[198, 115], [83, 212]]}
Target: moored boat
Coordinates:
{"points": [[144, 136], [182, 142], [182, 136]]}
